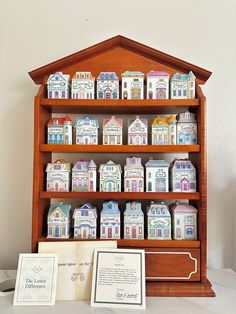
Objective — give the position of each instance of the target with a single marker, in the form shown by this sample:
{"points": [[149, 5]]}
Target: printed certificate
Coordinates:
{"points": [[119, 278], [36, 279]]}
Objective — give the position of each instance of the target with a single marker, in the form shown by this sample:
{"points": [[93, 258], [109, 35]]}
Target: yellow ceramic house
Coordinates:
{"points": [[160, 131]]}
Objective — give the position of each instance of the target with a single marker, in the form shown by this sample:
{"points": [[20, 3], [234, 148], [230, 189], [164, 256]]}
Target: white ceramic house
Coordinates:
{"points": [[186, 128], [86, 131], [60, 130], [59, 221], [58, 85], [157, 85], [84, 176], [183, 176], [133, 221], [184, 221], [157, 176], [58, 176], [137, 131], [133, 175], [107, 86], [159, 221], [83, 85], [132, 85], [85, 222], [183, 86], [164, 130], [110, 177], [112, 131], [110, 221]]}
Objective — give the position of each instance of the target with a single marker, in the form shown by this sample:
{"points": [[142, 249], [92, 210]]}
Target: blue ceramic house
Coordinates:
{"points": [[85, 222], [107, 86], [59, 220], [183, 86], [110, 221]]}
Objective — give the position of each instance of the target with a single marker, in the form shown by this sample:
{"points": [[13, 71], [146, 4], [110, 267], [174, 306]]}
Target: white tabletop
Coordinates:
{"points": [[223, 281]]}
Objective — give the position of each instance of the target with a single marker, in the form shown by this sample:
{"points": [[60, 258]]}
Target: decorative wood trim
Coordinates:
{"points": [[39, 74]]}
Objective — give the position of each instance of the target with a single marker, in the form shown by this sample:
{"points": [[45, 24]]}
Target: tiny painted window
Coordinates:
{"points": [[185, 92], [64, 231], [178, 221], [179, 92], [57, 215], [50, 231], [125, 84], [127, 184], [149, 186], [127, 230], [118, 139], [149, 174], [140, 230], [150, 84], [159, 232], [103, 230], [56, 94], [140, 183], [192, 84], [174, 92], [116, 230], [50, 95], [109, 206], [63, 94]]}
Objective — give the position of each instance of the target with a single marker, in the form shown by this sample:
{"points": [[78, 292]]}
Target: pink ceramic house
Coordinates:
{"points": [[84, 176], [112, 131], [133, 175], [157, 85], [58, 176], [184, 221]]}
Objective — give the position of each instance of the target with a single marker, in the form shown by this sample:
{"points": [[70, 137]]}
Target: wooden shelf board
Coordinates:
{"points": [[117, 106], [121, 195], [119, 148], [139, 243]]}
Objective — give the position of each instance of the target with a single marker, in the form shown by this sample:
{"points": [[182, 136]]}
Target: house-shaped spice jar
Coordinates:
{"points": [[110, 221], [85, 222], [110, 177], [86, 131], [132, 85], [157, 85], [159, 221], [82, 85], [58, 176], [183, 176], [59, 221], [60, 130], [137, 131], [133, 221], [84, 176], [184, 221], [183, 86], [186, 128], [157, 176], [112, 131], [107, 86], [164, 130], [133, 175], [58, 85]]}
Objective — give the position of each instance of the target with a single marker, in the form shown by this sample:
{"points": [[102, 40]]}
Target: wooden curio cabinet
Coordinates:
{"points": [[173, 267]]}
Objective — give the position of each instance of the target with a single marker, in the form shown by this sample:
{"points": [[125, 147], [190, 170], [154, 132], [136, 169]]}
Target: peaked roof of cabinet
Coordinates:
{"points": [[106, 56]]}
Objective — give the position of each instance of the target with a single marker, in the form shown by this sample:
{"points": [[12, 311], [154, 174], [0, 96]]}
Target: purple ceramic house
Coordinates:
{"points": [[84, 176]]}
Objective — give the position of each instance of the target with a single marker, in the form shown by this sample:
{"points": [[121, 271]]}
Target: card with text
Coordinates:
{"points": [[36, 279], [119, 278]]}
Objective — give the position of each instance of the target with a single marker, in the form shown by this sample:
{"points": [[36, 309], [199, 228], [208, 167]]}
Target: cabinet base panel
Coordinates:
{"points": [[179, 289]]}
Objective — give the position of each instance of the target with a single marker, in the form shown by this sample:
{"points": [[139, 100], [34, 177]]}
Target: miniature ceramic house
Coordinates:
{"points": [[58, 176], [133, 175], [184, 221], [107, 86], [110, 177], [84, 176], [137, 131], [132, 85], [183, 176], [159, 221], [157, 178], [133, 221], [58, 85], [157, 85], [112, 131], [82, 85], [110, 221], [59, 220], [86, 131], [85, 222], [183, 86], [60, 130], [164, 130], [186, 128]]}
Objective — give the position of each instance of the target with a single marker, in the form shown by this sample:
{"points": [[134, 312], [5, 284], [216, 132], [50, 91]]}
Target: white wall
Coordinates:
{"points": [[34, 33]]}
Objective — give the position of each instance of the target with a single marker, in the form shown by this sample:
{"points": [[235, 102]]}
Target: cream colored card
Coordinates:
{"points": [[119, 279], [36, 279], [75, 266]]}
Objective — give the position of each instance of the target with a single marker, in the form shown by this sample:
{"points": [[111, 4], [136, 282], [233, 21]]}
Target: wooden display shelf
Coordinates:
{"points": [[122, 195], [139, 243], [97, 106], [120, 148]]}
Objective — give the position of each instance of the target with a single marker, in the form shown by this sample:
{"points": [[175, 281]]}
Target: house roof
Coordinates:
{"points": [[157, 163], [83, 76], [81, 121], [160, 121], [85, 209], [110, 162], [182, 77], [53, 166], [82, 165], [182, 165], [62, 76], [64, 208], [59, 121], [157, 73], [186, 117], [182, 207], [107, 122], [137, 119], [107, 76], [132, 74], [113, 209], [133, 162], [125, 44], [133, 209], [155, 208]]}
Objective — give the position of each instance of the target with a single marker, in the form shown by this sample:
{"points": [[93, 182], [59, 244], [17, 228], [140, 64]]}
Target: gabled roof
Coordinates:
{"points": [[79, 122], [124, 43], [110, 162], [85, 209], [63, 208], [158, 209], [182, 207], [133, 162], [144, 122], [157, 163], [133, 209], [59, 75], [107, 122], [59, 121], [82, 165], [107, 76], [160, 121], [110, 208]]}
